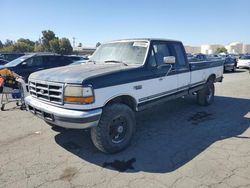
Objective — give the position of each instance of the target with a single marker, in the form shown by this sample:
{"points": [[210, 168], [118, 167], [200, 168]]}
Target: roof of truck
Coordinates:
{"points": [[147, 39]]}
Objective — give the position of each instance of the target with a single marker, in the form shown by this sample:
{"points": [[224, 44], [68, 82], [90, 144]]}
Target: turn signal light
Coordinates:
{"points": [[79, 100]]}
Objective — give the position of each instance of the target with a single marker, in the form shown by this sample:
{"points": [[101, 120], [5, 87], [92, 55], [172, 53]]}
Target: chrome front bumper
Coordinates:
{"points": [[63, 117]]}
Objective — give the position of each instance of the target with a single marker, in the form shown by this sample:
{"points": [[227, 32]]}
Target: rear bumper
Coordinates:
{"points": [[229, 66], [63, 117]]}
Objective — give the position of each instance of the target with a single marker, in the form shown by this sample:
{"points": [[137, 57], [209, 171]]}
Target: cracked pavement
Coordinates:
{"points": [[177, 144]]}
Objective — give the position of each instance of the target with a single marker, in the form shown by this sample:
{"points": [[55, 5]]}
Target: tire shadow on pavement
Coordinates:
{"points": [[168, 136]]}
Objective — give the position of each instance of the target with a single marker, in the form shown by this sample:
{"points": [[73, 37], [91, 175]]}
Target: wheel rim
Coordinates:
{"points": [[118, 129]]}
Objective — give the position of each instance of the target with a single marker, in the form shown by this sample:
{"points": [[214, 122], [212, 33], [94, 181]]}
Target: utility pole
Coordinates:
{"points": [[74, 41], [40, 40]]}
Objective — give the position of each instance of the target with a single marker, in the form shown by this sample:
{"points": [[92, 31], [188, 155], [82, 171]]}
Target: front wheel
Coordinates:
{"points": [[205, 96], [115, 129], [234, 69]]}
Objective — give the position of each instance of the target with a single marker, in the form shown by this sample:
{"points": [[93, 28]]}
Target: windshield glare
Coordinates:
{"points": [[17, 61], [132, 52]]}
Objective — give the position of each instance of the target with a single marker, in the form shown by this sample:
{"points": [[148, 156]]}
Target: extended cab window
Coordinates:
{"points": [[179, 54]]}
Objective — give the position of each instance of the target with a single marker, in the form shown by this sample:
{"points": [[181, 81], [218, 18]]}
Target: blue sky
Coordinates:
{"points": [[194, 22]]}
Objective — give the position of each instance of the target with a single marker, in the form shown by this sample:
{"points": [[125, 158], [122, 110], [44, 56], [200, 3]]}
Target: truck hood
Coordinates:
{"points": [[76, 73]]}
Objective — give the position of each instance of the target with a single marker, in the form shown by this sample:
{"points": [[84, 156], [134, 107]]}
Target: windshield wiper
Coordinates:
{"points": [[115, 61]]}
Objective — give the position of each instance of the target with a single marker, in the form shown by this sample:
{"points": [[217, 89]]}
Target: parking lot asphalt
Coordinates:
{"points": [[177, 144]]}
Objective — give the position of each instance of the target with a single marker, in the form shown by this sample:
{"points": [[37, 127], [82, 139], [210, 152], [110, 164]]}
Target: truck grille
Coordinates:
{"points": [[47, 91]]}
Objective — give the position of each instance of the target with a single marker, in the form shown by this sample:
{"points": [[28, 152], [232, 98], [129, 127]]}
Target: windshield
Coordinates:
{"points": [[245, 57], [130, 52], [17, 61]]}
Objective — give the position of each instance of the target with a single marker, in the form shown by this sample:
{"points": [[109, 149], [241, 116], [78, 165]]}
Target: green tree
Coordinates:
{"points": [[65, 46], [27, 41], [221, 50], [23, 47], [7, 49], [48, 43], [48, 35], [1, 44], [39, 48], [54, 45], [8, 43]]}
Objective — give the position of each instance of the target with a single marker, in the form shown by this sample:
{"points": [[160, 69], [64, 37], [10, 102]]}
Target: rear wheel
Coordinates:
{"points": [[115, 129], [205, 96]]}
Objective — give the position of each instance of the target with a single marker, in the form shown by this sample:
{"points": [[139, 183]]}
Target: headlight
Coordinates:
{"points": [[78, 94]]}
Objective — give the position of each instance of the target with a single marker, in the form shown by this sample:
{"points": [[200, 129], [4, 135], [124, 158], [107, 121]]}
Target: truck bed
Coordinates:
{"points": [[205, 64]]}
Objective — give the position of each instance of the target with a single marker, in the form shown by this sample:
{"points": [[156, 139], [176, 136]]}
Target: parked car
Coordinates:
{"points": [[201, 57], [3, 62], [121, 78], [10, 56], [244, 62], [28, 64], [230, 64], [197, 58], [214, 56]]}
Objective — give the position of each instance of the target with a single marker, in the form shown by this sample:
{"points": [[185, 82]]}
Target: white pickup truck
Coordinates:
{"points": [[121, 78]]}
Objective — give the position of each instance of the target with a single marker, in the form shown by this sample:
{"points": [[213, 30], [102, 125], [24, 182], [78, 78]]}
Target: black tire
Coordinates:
{"points": [[234, 69], [115, 129], [205, 96]]}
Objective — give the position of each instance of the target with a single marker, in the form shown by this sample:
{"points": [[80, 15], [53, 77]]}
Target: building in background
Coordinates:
{"points": [[246, 48], [193, 49], [210, 49], [232, 48], [235, 48]]}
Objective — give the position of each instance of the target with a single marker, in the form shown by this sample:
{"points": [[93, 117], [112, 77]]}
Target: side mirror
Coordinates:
{"points": [[169, 60]]}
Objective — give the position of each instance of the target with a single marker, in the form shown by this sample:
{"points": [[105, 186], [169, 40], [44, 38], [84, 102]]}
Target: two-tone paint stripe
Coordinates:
{"points": [[163, 94]]}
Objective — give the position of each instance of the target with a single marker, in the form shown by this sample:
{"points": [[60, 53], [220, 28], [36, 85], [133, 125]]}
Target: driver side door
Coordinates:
{"points": [[165, 79]]}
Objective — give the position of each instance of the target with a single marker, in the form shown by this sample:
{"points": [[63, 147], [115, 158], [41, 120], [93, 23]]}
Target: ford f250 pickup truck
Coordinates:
{"points": [[121, 78]]}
